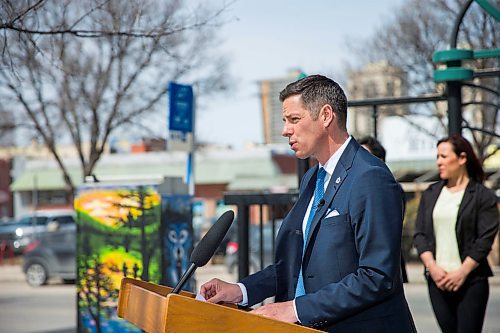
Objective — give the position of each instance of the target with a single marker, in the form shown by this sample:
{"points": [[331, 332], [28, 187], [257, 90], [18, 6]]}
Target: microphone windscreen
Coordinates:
{"points": [[209, 243]]}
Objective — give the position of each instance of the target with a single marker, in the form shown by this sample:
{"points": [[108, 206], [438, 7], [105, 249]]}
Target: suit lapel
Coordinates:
{"points": [[434, 195], [339, 175], [466, 200]]}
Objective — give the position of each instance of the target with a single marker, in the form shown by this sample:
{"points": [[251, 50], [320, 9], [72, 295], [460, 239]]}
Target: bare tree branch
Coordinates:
{"points": [[85, 89], [89, 33], [420, 28], [27, 10]]}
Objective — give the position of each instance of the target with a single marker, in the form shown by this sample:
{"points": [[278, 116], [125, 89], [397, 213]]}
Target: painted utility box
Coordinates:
{"points": [[137, 231]]}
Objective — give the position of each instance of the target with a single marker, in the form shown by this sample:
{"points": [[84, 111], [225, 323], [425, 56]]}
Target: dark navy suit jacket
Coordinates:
{"points": [[351, 265]]}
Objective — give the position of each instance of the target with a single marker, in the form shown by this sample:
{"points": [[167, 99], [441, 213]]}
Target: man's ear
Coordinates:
{"points": [[326, 115]]}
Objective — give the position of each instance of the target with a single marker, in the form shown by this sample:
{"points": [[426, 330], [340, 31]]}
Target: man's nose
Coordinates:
{"points": [[286, 132]]}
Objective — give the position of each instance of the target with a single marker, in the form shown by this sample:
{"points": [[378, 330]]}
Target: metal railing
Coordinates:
{"points": [[275, 205]]}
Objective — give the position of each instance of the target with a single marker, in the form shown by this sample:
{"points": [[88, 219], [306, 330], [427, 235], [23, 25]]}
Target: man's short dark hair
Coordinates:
{"points": [[316, 91], [374, 146]]}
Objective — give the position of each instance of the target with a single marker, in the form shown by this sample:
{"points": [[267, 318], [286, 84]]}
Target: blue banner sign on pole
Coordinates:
{"points": [[181, 107]]}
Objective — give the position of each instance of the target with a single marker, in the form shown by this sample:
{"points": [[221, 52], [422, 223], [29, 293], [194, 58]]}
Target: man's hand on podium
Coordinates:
{"points": [[283, 311], [215, 291]]}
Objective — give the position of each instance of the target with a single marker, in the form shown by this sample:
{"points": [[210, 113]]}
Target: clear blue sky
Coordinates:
{"points": [[265, 38]]}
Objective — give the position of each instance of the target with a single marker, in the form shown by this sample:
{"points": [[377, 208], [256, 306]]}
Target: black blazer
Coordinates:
{"points": [[476, 228]]}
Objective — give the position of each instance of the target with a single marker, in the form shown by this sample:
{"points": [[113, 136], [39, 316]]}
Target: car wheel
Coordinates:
{"points": [[36, 275]]}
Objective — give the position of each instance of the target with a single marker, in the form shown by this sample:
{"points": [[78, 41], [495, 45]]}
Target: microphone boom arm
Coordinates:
{"points": [[184, 278]]}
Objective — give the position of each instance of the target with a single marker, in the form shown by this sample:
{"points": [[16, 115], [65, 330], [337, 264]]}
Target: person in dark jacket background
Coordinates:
{"points": [[456, 267]]}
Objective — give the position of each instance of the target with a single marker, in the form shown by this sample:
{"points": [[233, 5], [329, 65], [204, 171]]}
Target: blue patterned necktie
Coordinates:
{"points": [[319, 191]]}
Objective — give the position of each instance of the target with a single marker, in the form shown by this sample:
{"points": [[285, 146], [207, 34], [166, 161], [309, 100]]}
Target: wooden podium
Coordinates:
{"points": [[150, 307]]}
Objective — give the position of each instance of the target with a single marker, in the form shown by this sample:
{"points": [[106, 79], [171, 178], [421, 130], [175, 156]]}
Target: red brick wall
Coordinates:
{"points": [[211, 191], [5, 195]]}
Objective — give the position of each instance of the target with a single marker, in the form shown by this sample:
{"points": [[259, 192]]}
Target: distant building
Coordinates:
{"points": [[6, 204], [40, 150], [375, 80], [271, 105], [141, 145], [216, 171]]}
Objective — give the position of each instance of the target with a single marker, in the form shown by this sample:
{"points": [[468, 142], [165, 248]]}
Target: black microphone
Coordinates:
{"points": [[206, 247]]}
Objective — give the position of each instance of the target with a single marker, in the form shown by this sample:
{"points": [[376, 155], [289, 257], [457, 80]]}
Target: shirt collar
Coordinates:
{"points": [[330, 165]]}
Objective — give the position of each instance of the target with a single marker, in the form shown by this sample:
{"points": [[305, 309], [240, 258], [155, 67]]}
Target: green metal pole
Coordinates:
{"points": [[454, 108], [455, 87]]}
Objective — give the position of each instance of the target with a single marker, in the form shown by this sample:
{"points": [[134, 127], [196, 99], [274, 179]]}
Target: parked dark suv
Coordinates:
{"points": [[51, 254], [20, 233]]}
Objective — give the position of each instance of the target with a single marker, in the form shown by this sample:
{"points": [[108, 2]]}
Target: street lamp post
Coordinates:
{"points": [[454, 74]]}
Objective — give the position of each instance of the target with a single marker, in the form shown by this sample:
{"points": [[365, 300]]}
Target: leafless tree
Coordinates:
{"points": [[81, 69], [7, 127], [416, 31]]}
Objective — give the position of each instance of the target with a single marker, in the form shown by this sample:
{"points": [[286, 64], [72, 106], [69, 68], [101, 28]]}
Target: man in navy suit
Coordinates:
{"points": [[337, 254]]}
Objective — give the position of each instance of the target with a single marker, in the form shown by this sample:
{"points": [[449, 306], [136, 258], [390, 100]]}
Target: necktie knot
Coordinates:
{"points": [[321, 173], [319, 191]]}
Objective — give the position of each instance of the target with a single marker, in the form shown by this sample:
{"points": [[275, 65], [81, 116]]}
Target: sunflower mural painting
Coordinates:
{"points": [[119, 234]]}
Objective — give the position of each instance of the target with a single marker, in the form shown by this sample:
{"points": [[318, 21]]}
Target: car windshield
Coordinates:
{"points": [[28, 220]]}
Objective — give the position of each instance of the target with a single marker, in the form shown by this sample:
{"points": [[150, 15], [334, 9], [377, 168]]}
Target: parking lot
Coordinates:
{"points": [[52, 308]]}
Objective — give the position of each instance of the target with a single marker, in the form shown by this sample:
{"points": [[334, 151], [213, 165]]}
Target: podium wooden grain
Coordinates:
{"points": [[150, 307]]}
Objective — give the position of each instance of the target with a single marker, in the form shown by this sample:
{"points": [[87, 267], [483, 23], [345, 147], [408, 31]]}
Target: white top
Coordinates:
{"points": [[444, 219]]}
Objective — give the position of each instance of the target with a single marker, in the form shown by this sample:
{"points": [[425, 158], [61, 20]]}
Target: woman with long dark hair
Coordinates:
{"points": [[456, 224]]}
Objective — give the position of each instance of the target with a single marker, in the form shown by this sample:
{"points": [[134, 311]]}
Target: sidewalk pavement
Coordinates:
{"points": [[18, 297], [11, 273]]}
